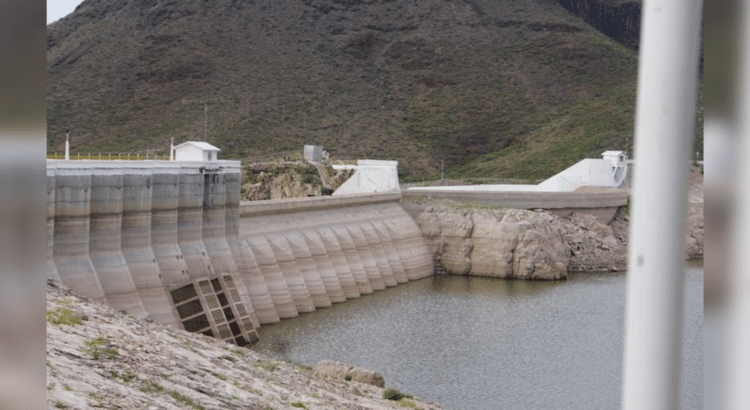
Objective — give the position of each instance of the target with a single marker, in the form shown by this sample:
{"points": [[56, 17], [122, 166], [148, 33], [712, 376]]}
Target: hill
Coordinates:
{"points": [[512, 89]]}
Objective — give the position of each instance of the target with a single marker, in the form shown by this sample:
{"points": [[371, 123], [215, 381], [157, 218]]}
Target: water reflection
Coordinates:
{"points": [[477, 343]]}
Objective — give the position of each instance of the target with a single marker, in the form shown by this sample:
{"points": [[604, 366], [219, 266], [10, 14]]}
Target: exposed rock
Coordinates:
{"points": [[594, 245], [498, 243], [279, 180], [117, 362], [525, 244], [340, 371]]}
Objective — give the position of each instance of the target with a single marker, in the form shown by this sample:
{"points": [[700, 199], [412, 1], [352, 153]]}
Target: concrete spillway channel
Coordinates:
{"points": [[171, 241]]}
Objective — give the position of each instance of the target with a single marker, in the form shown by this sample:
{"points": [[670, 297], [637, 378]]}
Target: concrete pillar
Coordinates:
{"points": [[368, 258], [252, 287], [324, 267], [71, 230], [373, 242], [105, 233], [353, 258], [274, 279], [334, 253], [165, 200], [51, 268], [214, 222], [294, 281], [309, 270], [137, 190], [190, 221], [413, 252], [390, 249]]}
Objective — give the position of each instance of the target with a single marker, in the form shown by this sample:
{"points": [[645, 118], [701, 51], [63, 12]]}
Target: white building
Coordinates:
{"points": [[195, 151]]}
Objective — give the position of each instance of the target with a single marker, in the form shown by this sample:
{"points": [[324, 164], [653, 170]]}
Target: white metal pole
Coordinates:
{"points": [[665, 109], [738, 393], [171, 150], [67, 146]]}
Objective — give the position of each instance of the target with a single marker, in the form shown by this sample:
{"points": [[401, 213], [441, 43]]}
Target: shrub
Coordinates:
{"points": [[186, 400], [408, 403], [150, 386], [63, 315], [267, 366], [298, 405], [348, 377], [93, 347], [395, 395]]}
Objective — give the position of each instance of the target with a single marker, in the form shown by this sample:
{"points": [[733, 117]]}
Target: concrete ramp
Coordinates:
{"points": [[371, 177], [587, 172]]}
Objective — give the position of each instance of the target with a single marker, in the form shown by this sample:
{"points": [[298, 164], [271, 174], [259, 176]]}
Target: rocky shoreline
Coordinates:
{"points": [[100, 358], [526, 244]]}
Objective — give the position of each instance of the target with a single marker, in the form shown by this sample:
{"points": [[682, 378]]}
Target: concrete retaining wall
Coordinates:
{"points": [[171, 240]]}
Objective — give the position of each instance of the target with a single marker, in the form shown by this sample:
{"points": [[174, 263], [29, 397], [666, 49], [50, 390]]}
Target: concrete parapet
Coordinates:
{"points": [[612, 197]]}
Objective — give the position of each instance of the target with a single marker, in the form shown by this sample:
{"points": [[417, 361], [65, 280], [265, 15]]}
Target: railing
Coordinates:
{"points": [[110, 156]]}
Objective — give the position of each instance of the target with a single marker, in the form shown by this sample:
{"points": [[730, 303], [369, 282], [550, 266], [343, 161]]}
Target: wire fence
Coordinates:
{"points": [[111, 156]]}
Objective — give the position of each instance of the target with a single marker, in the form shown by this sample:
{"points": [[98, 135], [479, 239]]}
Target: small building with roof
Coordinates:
{"points": [[196, 151]]}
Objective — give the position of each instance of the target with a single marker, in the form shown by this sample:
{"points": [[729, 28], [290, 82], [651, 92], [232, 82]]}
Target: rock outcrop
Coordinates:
{"points": [[497, 243], [98, 357], [346, 371], [279, 180], [596, 246], [525, 244]]}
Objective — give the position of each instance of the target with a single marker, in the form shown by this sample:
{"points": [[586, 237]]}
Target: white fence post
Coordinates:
{"points": [[665, 109]]}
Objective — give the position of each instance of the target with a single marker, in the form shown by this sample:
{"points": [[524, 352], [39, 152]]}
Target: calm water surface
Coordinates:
{"points": [[475, 343]]}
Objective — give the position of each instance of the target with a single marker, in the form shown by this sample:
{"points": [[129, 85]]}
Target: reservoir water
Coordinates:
{"points": [[472, 343]]}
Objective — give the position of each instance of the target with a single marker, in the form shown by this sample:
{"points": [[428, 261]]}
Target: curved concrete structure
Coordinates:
{"points": [[274, 279], [165, 201], [171, 240], [71, 230], [347, 264], [137, 190], [51, 268], [253, 287], [105, 244], [190, 222]]}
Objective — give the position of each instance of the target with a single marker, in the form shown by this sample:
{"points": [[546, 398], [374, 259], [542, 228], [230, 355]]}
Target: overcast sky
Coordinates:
{"points": [[57, 9]]}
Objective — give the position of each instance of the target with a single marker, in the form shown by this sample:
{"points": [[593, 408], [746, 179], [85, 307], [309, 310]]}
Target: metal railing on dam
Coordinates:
{"points": [[171, 241]]}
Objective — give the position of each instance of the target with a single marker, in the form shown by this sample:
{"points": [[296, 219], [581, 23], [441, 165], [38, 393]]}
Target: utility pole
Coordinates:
{"points": [[205, 114]]}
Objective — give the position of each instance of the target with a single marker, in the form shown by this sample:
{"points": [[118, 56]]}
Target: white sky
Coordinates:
{"points": [[57, 9]]}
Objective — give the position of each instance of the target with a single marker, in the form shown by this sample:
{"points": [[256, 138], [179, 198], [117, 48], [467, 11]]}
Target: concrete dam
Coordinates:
{"points": [[172, 241]]}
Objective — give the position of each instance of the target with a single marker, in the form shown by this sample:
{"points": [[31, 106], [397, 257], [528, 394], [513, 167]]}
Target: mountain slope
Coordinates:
{"points": [[497, 89]]}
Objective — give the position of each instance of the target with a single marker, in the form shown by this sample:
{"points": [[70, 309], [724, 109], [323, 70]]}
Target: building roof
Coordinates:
{"points": [[612, 152], [202, 145]]}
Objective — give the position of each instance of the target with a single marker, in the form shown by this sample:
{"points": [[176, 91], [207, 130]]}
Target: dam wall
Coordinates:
{"points": [[171, 241]]}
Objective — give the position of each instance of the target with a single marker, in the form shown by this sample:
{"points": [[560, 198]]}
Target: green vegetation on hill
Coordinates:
{"points": [[490, 89]]}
